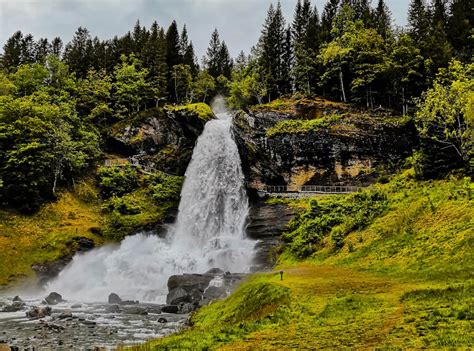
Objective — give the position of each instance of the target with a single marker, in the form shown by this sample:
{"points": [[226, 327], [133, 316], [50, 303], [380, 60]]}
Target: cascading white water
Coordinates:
{"points": [[209, 231]]}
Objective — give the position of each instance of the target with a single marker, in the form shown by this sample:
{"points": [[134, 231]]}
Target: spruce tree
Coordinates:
{"points": [[383, 19], [329, 14], [57, 47], [225, 61], [42, 49], [460, 24], [78, 52], [213, 55], [418, 21], [173, 55], [11, 57]]}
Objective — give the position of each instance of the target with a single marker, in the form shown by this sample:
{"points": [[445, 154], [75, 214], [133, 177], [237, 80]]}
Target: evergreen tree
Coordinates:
{"points": [[329, 14], [383, 19], [11, 57], [78, 53], [42, 49], [418, 22], [173, 55], [460, 24], [57, 47], [225, 62], [212, 59], [28, 49], [154, 58], [187, 51]]}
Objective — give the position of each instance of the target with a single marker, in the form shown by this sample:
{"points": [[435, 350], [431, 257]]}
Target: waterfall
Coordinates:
{"points": [[209, 231]]}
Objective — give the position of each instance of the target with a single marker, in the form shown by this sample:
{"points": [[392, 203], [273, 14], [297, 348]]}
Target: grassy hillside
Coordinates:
{"points": [[47, 235], [389, 267], [83, 212]]}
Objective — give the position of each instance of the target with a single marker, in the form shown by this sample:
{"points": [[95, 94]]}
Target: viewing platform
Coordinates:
{"points": [[307, 190]]}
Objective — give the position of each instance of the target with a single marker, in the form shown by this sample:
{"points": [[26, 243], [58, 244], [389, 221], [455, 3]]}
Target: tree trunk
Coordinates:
{"points": [[342, 86]]}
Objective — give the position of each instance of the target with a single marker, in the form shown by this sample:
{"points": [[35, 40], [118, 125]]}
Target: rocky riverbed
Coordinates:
{"points": [[53, 323]]}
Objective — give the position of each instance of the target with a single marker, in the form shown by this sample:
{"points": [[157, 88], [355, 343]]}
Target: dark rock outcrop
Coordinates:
{"points": [[349, 150], [158, 138], [13, 307]]}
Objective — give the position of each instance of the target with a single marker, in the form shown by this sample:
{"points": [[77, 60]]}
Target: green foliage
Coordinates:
{"points": [[335, 217], [446, 112], [165, 188], [117, 181], [294, 126], [182, 82]]}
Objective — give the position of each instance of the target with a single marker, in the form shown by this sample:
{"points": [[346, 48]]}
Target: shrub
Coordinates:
{"points": [[117, 181]]}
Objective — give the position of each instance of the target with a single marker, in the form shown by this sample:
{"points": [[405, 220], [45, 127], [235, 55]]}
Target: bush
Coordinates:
{"points": [[164, 188], [117, 181]]}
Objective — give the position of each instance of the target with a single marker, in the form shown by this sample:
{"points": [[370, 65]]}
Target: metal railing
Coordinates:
{"points": [[317, 189]]}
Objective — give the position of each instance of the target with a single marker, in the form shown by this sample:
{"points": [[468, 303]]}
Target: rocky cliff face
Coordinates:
{"points": [[160, 138], [319, 142]]}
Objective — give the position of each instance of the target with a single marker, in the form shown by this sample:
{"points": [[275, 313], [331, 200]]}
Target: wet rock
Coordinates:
{"points": [[189, 281], [136, 310], [129, 302], [14, 307], [114, 299], [53, 298], [77, 305], [176, 296], [65, 315], [17, 299], [162, 320], [186, 307], [169, 309], [39, 312], [215, 271], [113, 309], [214, 292]]}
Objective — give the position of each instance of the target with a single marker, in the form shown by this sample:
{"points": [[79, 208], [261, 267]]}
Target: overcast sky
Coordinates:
{"points": [[238, 21]]}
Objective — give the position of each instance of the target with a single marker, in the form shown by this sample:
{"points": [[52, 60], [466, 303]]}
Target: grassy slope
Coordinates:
{"points": [[25, 240], [403, 279]]}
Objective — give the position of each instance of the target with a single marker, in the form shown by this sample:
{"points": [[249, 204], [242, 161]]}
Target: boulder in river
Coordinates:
{"points": [[39, 312], [136, 310], [162, 320], [169, 309], [14, 307], [53, 298], [186, 307], [189, 281], [113, 309], [177, 295], [114, 299]]}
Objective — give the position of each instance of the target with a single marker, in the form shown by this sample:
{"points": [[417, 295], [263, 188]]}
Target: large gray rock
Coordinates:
{"points": [[114, 299], [177, 295], [53, 298], [189, 281], [169, 309]]}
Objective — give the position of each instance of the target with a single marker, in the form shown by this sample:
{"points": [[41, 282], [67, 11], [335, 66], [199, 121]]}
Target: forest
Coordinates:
{"points": [[56, 100]]}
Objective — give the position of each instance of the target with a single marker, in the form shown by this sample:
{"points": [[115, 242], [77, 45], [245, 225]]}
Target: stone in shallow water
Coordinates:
{"points": [[14, 307], [177, 295], [169, 309], [162, 320], [135, 310], [53, 298], [113, 309], [39, 312]]}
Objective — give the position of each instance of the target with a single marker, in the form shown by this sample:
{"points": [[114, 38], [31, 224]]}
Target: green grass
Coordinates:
{"points": [[255, 305], [201, 110], [296, 126], [44, 236], [390, 267]]}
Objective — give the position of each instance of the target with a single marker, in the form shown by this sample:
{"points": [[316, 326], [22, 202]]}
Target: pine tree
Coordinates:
{"points": [[225, 61], [173, 55], [460, 24], [154, 59], [28, 49], [418, 21], [42, 49], [383, 19], [11, 57], [57, 47], [329, 14], [213, 55], [187, 51], [78, 52]]}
